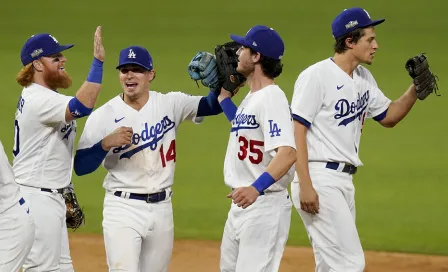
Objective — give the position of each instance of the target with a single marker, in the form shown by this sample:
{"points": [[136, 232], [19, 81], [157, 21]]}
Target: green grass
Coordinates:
{"points": [[402, 190]]}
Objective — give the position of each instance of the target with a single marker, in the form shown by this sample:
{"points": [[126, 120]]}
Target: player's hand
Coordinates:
{"points": [[227, 94], [98, 49], [120, 137], [309, 200], [224, 94], [244, 196]]}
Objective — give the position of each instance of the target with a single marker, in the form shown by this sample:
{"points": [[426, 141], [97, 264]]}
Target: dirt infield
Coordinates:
{"points": [[203, 256]]}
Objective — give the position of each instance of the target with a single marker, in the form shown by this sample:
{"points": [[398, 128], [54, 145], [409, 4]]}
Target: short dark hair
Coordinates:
{"points": [[340, 46], [271, 68]]}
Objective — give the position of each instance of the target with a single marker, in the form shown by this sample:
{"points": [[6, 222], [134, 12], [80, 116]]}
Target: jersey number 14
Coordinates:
{"points": [[170, 154]]}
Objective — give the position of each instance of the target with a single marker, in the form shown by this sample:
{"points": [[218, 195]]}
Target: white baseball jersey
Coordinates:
{"points": [[147, 166], [334, 106], [263, 122], [9, 190], [43, 141]]}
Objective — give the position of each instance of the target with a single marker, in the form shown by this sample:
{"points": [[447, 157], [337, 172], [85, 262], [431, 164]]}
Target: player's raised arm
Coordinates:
{"points": [[424, 83], [84, 101]]}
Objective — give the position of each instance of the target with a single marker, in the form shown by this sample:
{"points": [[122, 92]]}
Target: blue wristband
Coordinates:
{"points": [[96, 72], [263, 182], [229, 108]]}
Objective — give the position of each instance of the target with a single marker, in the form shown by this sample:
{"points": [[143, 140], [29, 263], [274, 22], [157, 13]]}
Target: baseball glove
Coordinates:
{"points": [[219, 70], [74, 215], [203, 67], [227, 61], [424, 80]]}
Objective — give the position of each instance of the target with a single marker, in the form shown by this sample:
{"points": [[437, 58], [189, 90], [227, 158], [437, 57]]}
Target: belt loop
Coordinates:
{"points": [[168, 192], [341, 167], [124, 195]]}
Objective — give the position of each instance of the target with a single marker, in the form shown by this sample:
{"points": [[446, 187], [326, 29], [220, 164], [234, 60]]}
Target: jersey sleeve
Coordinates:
{"points": [[185, 106], [378, 102], [93, 130], [276, 121], [50, 107], [307, 98]]}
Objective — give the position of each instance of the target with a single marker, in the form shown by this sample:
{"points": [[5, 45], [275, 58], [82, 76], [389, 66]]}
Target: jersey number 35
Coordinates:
{"points": [[250, 149]]}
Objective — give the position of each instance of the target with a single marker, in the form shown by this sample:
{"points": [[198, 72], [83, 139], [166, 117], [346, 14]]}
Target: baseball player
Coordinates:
{"points": [[134, 136], [331, 101], [43, 151], [259, 159], [16, 223]]}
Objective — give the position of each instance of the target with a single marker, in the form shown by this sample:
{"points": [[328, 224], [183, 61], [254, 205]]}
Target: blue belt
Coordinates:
{"points": [[149, 198], [348, 168]]}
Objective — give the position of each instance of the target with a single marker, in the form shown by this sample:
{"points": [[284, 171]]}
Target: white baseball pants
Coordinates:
{"points": [[332, 232], [254, 238], [50, 251], [138, 236], [16, 236]]}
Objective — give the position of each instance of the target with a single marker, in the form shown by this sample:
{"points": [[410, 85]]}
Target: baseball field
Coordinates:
{"points": [[401, 197]]}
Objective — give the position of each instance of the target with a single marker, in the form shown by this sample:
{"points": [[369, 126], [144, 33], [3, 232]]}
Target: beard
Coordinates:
{"points": [[55, 80], [245, 68]]}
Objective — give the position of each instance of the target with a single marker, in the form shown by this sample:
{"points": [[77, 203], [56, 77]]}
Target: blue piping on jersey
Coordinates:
{"points": [[229, 108], [209, 105], [380, 116], [301, 120], [89, 159]]}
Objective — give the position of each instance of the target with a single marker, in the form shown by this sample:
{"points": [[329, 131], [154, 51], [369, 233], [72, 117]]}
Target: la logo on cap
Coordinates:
{"points": [[131, 55]]}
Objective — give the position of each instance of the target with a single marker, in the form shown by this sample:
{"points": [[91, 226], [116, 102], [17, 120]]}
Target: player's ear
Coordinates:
{"points": [[38, 66], [152, 75], [256, 57], [349, 43]]}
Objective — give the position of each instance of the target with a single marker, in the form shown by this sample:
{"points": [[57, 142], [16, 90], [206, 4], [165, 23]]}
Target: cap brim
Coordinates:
{"points": [[133, 62], [239, 39], [377, 22], [59, 49], [62, 48], [65, 47]]}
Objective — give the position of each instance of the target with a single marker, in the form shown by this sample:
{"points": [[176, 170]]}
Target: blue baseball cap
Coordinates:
{"points": [[135, 55], [351, 19], [41, 45], [264, 40]]}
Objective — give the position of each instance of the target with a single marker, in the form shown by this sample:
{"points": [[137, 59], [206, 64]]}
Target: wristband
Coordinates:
{"points": [[96, 72], [229, 108], [263, 182]]}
